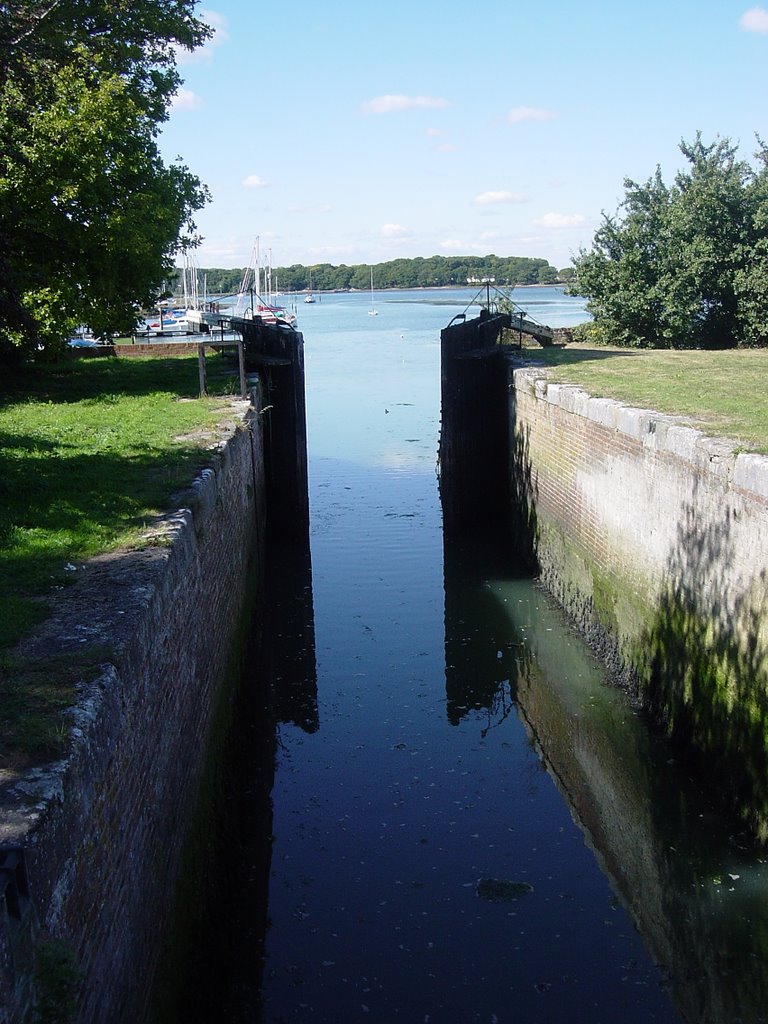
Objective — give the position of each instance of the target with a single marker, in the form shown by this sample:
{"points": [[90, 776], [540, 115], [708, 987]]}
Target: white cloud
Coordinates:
{"points": [[561, 220], [447, 147], [185, 99], [520, 114], [393, 104], [755, 20], [433, 133], [486, 198], [394, 231], [218, 23], [255, 181]]}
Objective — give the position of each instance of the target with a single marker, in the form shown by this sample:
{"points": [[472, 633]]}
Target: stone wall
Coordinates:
{"points": [[103, 830], [655, 539]]}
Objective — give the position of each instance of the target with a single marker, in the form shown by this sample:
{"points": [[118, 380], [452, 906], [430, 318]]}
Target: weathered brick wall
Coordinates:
{"points": [[104, 830], [655, 538]]}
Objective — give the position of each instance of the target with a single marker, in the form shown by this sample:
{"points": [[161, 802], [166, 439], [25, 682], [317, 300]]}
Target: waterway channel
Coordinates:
{"points": [[451, 817]]}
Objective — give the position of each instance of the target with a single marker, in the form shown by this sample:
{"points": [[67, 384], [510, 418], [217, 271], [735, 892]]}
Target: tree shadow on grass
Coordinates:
{"points": [[63, 508], [73, 380], [565, 355]]}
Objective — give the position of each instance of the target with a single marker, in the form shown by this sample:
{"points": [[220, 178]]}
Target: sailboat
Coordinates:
{"points": [[252, 303], [309, 297], [372, 311]]}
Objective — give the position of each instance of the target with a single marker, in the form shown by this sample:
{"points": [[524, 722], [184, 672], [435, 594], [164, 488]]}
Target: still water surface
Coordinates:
{"points": [[467, 824]]}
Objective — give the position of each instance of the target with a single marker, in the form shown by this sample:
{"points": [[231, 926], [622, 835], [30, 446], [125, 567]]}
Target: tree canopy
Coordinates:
{"points": [[90, 216], [684, 265]]}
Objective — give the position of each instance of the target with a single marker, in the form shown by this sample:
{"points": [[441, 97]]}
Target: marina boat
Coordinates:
{"points": [[171, 322], [372, 311], [277, 316]]}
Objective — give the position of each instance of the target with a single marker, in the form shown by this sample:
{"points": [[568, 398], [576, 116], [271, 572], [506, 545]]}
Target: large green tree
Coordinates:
{"points": [[684, 265], [90, 215]]}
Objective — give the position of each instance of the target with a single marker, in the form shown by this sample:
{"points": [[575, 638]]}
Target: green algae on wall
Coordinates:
{"points": [[670, 592]]}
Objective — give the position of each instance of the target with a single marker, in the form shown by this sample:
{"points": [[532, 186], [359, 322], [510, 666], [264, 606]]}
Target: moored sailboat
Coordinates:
{"points": [[255, 302]]}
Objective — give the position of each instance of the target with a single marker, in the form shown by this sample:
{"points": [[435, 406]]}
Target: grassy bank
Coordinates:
{"points": [[90, 451], [720, 393]]}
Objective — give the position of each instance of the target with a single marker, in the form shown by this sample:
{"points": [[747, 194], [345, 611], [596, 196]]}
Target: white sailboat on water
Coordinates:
{"points": [[309, 297], [372, 311]]}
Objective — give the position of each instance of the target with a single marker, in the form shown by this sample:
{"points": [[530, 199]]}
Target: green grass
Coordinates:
{"points": [[90, 451], [721, 393]]}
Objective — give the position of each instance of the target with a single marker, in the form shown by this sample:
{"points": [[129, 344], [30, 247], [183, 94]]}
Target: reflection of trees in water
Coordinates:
{"points": [[501, 707]]}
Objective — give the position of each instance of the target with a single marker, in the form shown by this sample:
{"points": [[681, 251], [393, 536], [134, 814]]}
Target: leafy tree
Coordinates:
{"points": [[751, 276], [710, 234], [685, 265], [622, 273], [90, 216], [546, 275]]}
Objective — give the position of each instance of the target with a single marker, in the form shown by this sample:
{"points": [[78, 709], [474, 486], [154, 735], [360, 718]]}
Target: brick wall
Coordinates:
{"points": [[655, 539], [104, 830]]}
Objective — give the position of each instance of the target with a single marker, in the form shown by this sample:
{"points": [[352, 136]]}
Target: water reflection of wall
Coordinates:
{"points": [[480, 655], [683, 879], [289, 655]]}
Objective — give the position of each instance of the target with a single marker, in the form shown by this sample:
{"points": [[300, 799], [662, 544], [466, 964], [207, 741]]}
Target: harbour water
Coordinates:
{"points": [[451, 817]]}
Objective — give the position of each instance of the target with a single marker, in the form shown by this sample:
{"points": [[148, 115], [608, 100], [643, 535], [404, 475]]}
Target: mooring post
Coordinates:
{"points": [[201, 369]]}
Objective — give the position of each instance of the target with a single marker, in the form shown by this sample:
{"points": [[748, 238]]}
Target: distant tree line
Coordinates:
{"points": [[684, 265], [430, 272]]}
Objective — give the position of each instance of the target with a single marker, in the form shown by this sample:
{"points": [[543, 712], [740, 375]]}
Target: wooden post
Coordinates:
{"points": [[201, 369], [241, 361]]}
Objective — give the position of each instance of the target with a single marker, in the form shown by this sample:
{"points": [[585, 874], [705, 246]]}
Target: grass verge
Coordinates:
{"points": [[720, 393], [90, 451]]}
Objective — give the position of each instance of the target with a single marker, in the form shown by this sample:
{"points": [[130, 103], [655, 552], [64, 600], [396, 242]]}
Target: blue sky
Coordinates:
{"points": [[357, 133]]}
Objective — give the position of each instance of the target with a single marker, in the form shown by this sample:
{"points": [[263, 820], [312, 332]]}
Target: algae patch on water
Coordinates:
{"points": [[501, 890]]}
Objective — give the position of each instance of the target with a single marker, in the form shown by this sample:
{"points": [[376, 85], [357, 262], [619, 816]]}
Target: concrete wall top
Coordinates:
{"points": [[656, 431]]}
